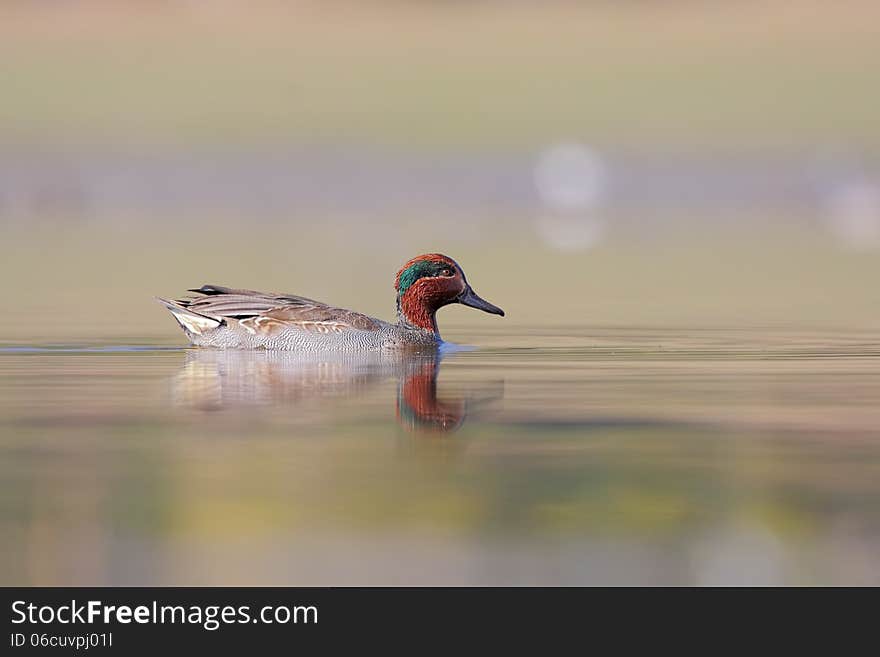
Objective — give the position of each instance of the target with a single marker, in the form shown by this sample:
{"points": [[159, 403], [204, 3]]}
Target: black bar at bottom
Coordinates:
{"points": [[241, 620]]}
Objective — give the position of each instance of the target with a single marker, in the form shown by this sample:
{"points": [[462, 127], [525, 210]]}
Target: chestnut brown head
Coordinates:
{"points": [[427, 283]]}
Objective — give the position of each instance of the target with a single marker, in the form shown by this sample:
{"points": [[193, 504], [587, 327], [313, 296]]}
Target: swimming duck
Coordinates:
{"points": [[244, 319]]}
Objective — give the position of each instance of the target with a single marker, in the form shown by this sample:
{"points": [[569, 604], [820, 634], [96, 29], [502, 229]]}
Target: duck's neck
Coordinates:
{"points": [[413, 312]]}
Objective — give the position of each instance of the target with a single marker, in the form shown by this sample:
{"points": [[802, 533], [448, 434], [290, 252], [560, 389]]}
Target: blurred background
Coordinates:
{"points": [[677, 204], [654, 162]]}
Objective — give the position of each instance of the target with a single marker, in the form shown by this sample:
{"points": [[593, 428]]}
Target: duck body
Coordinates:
{"points": [[244, 319], [229, 318]]}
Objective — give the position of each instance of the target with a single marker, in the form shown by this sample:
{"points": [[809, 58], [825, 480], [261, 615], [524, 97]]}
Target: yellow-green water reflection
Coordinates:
{"points": [[586, 456]]}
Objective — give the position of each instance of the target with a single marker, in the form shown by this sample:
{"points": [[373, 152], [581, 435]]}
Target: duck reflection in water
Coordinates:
{"points": [[214, 380]]}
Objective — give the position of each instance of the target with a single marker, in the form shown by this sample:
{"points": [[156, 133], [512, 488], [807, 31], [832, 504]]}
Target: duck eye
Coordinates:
{"points": [[447, 272]]}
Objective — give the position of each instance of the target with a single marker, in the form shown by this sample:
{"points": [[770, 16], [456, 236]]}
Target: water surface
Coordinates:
{"points": [[585, 455]]}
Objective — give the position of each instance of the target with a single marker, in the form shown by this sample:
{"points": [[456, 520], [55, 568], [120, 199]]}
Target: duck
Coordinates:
{"points": [[230, 318]]}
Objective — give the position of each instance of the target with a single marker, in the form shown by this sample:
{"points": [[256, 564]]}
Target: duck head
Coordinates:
{"points": [[427, 283]]}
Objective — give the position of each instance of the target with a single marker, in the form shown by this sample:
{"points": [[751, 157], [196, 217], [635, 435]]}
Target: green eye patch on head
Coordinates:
{"points": [[420, 269]]}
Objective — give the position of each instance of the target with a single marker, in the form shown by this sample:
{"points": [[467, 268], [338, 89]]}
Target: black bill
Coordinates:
{"points": [[470, 298]]}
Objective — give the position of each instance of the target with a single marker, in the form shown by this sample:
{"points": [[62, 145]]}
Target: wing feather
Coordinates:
{"points": [[270, 311]]}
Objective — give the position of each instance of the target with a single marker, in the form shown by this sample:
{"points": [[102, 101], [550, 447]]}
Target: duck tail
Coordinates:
{"points": [[190, 321]]}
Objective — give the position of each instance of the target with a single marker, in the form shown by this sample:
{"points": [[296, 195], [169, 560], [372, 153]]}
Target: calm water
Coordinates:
{"points": [[568, 456]]}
